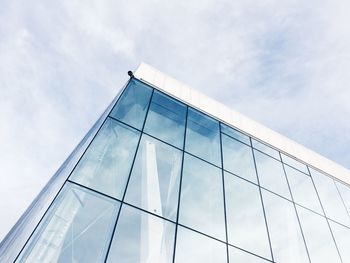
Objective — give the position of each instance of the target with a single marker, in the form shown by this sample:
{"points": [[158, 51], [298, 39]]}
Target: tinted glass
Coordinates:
{"points": [[166, 119], [296, 164], [76, 228], [237, 255], [197, 248], [285, 234], [245, 216], [202, 137], [154, 182], [132, 106], [202, 205], [318, 237], [271, 174], [303, 190], [266, 149], [141, 237], [235, 134], [106, 164], [238, 158], [342, 238]]}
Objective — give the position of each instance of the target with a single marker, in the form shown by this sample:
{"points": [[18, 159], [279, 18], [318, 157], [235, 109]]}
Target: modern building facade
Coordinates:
{"points": [[169, 175]]}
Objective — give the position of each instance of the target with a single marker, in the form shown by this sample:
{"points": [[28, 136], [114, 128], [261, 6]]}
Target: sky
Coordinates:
{"points": [[282, 63]]}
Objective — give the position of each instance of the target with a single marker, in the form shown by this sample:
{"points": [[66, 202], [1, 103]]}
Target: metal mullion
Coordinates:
{"points": [[341, 197]]}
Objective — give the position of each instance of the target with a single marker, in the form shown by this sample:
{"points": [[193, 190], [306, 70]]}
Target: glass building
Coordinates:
{"points": [[169, 175]]}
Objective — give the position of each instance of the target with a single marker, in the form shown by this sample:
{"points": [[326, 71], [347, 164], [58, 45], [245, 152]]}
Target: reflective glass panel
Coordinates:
{"points": [[345, 194], [76, 228], [271, 174], [237, 255], [318, 237], [342, 238], [235, 134], [106, 164], [303, 190], [330, 198], [202, 204], [197, 248], [266, 149], [292, 162], [238, 158], [132, 106], [141, 237], [202, 137], [286, 239], [245, 216], [154, 182], [166, 119]]}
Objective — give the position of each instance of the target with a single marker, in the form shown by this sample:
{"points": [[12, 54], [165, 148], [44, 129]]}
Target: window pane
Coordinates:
{"points": [[345, 194], [266, 149], [342, 238], [238, 158], [285, 234], [245, 216], [202, 137], [318, 237], [76, 228], [166, 119], [196, 248], [202, 205], [106, 164], [237, 255], [303, 190], [132, 106], [330, 198], [271, 174], [294, 163], [154, 182], [235, 134], [141, 237]]}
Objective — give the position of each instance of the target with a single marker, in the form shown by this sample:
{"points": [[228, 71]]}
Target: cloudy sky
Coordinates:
{"points": [[283, 63]]}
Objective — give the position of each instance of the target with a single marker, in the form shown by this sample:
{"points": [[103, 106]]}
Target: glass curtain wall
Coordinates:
{"points": [[163, 182]]}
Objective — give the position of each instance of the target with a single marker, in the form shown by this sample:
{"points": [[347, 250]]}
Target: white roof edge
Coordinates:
{"points": [[231, 117]]}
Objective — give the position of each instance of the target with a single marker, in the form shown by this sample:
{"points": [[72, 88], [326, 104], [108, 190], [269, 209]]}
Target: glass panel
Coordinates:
{"points": [[154, 182], [237, 255], [266, 149], [76, 228], [245, 216], [166, 119], [271, 174], [344, 191], [318, 237], [303, 190], [235, 134], [330, 198], [285, 234], [294, 163], [342, 238], [106, 164], [141, 237], [202, 204], [132, 106], [196, 248], [238, 158], [202, 137]]}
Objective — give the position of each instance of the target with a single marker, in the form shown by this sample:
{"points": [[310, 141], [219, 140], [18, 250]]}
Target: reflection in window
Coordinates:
{"points": [[271, 174], [342, 238], [106, 164], [237, 255], [202, 205], [76, 228], [245, 216], [266, 149], [141, 237], [202, 137], [238, 158], [303, 190], [294, 163], [333, 206], [318, 237], [286, 239], [166, 119], [197, 248], [132, 106], [235, 134], [154, 182], [344, 191]]}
